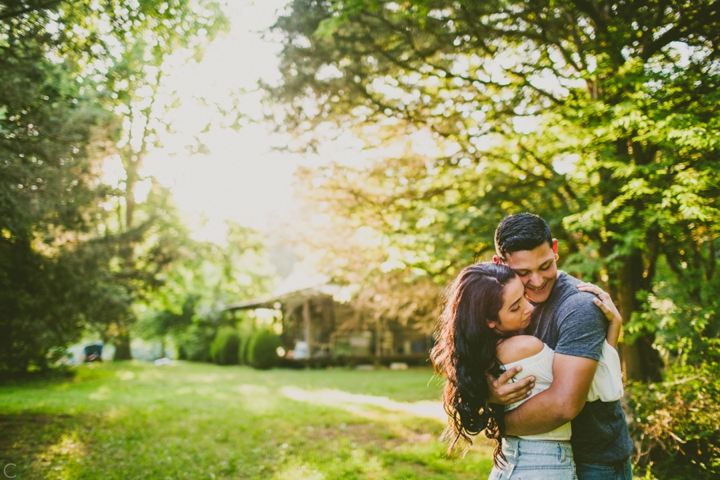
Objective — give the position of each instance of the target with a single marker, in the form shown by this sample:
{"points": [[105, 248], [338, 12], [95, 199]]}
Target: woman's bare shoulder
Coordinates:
{"points": [[518, 347]]}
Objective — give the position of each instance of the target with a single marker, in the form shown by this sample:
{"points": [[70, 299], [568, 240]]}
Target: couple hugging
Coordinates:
{"points": [[529, 356]]}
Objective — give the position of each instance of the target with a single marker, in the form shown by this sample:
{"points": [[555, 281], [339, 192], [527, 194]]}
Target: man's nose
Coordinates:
{"points": [[535, 279]]}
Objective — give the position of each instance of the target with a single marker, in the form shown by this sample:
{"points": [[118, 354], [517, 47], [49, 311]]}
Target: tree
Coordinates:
{"points": [[59, 241], [49, 195], [17, 8], [187, 307], [599, 116], [135, 92]]}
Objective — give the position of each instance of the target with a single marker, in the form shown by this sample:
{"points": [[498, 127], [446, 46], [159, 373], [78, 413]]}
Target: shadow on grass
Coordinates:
{"points": [[24, 379], [39, 445]]}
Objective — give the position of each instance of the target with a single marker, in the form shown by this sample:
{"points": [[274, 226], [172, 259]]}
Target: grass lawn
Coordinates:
{"points": [[134, 420]]}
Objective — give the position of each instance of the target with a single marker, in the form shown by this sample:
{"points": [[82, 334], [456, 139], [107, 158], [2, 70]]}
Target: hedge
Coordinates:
{"points": [[224, 349], [262, 349]]}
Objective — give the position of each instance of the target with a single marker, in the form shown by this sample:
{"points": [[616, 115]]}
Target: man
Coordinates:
{"points": [[571, 323]]}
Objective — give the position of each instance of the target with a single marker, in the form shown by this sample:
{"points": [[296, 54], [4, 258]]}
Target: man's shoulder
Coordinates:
{"points": [[567, 284], [568, 295], [570, 301], [578, 299]]}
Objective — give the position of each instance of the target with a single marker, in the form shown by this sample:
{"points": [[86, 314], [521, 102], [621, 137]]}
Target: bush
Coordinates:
{"points": [[674, 423], [262, 350], [224, 349], [244, 348], [194, 343]]}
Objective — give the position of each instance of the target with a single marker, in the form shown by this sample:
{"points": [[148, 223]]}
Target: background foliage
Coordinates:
{"points": [[262, 349], [599, 116], [81, 82]]}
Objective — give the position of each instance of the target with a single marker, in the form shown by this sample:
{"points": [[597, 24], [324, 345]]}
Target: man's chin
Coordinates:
{"points": [[539, 296]]}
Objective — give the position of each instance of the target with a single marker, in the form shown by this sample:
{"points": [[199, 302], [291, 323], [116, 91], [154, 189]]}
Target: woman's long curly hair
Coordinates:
{"points": [[465, 353]]}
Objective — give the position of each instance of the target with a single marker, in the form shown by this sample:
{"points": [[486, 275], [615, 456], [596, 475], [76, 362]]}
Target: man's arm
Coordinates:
{"points": [[572, 377]]}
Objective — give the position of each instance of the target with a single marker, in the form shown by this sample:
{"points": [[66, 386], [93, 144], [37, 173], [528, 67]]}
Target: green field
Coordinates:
{"points": [[136, 420]]}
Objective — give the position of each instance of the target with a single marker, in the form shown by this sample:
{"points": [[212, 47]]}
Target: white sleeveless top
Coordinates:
{"points": [[606, 385]]}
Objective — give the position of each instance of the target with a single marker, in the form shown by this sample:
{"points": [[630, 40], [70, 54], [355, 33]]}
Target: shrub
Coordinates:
{"points": [[224, 349], [244, 348], [674, 423], [194, 343], [262, 350]]}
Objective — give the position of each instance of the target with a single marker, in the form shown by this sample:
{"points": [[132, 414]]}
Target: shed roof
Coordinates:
{"points": [[327, 290]]}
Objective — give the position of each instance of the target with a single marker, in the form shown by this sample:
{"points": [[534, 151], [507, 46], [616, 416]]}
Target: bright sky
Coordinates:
{"points": [[241, 178]]}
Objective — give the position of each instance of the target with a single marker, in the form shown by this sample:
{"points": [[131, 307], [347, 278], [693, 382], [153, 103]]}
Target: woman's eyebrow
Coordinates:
{"points": [[514, 303]]}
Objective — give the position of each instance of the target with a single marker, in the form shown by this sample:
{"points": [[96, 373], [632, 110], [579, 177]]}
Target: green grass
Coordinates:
{"points": [[133, 420]]}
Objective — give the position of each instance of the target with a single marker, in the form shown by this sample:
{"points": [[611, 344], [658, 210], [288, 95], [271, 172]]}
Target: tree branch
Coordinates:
{"points": [[30, 8]]}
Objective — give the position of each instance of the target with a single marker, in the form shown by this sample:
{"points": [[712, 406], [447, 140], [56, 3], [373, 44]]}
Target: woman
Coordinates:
{"points": [[478, 335]]}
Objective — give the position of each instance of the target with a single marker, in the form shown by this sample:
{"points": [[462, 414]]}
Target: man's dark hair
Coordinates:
{"points": [[523, 231]]}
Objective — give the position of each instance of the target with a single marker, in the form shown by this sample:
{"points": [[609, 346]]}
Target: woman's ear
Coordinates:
{"points": [[491, 325]]}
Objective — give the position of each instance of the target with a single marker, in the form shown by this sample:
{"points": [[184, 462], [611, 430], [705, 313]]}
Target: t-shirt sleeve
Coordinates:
{"points": [[582, 327]]}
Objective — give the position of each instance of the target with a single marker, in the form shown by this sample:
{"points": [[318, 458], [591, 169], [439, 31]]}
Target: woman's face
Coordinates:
{"points": [[515, 312]]}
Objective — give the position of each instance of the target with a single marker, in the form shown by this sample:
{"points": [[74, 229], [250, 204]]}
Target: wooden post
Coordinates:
{"points": [[306, 321], [378, 340]]}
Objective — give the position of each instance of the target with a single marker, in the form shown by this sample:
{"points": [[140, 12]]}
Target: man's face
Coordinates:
{"points": [[537, 270]]}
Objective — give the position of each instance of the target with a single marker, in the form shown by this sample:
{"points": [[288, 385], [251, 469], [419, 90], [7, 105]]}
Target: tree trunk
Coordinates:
{"points": [[639, 360], [131, 172], [122, 338], [122, 346]]}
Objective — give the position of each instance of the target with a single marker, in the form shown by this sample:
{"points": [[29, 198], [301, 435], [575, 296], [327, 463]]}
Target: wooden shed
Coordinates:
{"points": [[318, 329]]}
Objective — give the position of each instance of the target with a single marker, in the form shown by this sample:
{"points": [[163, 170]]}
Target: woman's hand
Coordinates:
{"points": [[605, 303], [504, 392]]}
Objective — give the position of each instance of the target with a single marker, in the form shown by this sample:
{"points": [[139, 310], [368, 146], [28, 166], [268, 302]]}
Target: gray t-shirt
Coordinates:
{"points": [[571, 324]]}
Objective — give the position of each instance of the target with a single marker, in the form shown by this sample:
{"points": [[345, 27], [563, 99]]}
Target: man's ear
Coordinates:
{"points": [[554, 247], [497, 260]]}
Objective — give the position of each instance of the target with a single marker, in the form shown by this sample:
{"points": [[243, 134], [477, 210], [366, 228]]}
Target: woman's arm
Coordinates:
{"points": [[605, 303]]}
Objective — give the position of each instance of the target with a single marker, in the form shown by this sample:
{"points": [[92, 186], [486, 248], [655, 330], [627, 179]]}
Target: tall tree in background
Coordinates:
{"points": [[599, 116], [150, 36], [65, 263], [50, 137]]}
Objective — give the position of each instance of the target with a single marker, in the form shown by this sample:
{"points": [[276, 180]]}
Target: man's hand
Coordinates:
{"points": [[505, 393]]}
